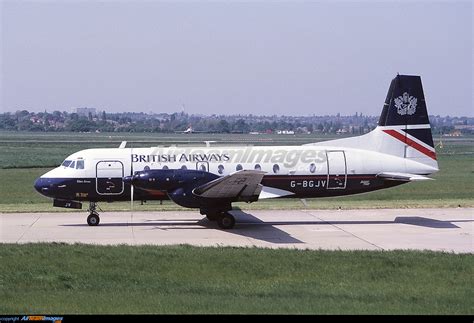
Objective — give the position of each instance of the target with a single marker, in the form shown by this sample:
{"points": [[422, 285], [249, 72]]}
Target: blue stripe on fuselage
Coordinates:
{"points": [[85, 189]]}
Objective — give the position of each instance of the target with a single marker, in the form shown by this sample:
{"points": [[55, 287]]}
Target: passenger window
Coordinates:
{"points": [[165, 167], [238, 167], [66, 163], [258, 167], [276, 168], [312, 167], [184, 167], [72, 164], [80, 164], [220, 169]]}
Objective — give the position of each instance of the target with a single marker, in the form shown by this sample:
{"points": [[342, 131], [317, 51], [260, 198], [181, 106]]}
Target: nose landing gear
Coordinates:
{"points": [[93, 218]]}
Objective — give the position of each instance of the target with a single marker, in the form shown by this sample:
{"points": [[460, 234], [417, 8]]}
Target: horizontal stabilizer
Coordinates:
{"points": [[243, 185], [402, 177], [272, 192]]}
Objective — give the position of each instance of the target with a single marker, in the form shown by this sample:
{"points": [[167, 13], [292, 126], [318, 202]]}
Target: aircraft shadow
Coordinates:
{"points": [[427, 222], [250, 226], [415, 220], [267, 233]]}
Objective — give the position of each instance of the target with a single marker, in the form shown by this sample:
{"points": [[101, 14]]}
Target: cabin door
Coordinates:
{"points": [[109, 177], [337, 169]]}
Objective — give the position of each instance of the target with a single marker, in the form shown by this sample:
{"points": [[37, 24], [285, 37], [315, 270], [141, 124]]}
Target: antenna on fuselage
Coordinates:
{"points": [[208, 142]]}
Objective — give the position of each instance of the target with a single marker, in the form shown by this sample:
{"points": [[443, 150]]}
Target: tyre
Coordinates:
{"points": [[226, 221], [93, 219]]}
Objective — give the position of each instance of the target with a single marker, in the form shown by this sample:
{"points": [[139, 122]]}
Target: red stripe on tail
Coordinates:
{"points": [[411, 143]]}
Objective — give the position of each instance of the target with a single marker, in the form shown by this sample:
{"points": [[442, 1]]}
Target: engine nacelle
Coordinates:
{"points": [[177, 183]]}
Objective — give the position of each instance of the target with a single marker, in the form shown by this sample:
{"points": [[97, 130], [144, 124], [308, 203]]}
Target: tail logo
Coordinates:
{"points": [[405, 104]]}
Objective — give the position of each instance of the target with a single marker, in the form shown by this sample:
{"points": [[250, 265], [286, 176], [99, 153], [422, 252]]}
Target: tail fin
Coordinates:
{"points": [[405, 119], [404, 128], [405, 103]]}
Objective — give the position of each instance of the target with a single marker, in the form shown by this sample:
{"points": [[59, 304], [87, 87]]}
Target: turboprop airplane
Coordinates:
{"points": [[399, 150]]}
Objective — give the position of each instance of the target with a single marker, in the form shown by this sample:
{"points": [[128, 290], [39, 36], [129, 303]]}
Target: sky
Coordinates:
{"points": [[233, 57]]}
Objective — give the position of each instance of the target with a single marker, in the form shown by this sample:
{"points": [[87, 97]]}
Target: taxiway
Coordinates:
{"points": [[449, 230]]}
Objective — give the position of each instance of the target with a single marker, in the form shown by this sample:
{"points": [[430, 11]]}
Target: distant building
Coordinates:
{"points": [[85, 111], [285, 132], [464, 128], [454, 133], [341, 131]]}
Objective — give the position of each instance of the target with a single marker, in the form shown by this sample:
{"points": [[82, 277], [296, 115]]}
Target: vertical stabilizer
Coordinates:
{"points": [[404, 128], [405, 121]]}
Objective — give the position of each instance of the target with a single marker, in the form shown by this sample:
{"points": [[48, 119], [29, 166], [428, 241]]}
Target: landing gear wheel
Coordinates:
{"points": [[226, 221], [93, 219]]}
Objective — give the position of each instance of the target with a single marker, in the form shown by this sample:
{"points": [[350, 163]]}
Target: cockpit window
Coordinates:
{"points": [[80, 164], [72, 164], [66, 163]]}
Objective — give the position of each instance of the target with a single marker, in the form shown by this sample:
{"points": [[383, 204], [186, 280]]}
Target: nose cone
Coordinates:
{"points": [[38, 184], [41, 186]]}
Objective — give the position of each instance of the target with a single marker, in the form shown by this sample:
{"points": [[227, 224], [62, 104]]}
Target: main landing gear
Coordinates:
{"points": [[224, 219], [93, 218]]}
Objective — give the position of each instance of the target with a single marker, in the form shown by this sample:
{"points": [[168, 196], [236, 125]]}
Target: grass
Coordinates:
{"points": [[31, 150], [79, 279], [32, 146]]}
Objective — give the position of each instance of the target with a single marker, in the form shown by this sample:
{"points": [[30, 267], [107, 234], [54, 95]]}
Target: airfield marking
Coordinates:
{"points": [[28, 228]]}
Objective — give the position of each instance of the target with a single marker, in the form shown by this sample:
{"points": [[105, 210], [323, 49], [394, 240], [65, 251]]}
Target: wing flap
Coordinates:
{"points": [[243, 185], [403, 177]]}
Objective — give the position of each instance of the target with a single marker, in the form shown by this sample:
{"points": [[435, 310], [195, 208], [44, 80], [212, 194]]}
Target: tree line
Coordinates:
{"points": [[23, 120]]}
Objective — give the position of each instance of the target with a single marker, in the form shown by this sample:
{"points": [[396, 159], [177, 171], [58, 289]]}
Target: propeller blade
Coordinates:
{"points": [[131, 181], [131, 196]]}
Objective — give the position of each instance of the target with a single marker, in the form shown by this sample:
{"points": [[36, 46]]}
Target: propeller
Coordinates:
{"points": [[131, 201], [131, 196], [129, 179], [132, 189]]}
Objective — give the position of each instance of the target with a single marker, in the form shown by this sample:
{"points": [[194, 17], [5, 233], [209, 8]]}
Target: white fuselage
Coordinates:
{"points": [[299, 171]]}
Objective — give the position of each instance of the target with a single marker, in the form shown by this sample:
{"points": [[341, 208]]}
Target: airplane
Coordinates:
{"points": [[399, 150], [191, 130], [188, 130]]}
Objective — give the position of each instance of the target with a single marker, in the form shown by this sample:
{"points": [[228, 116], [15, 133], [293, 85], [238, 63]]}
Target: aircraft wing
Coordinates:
{"points": [[243, 185], [402, 177]]}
